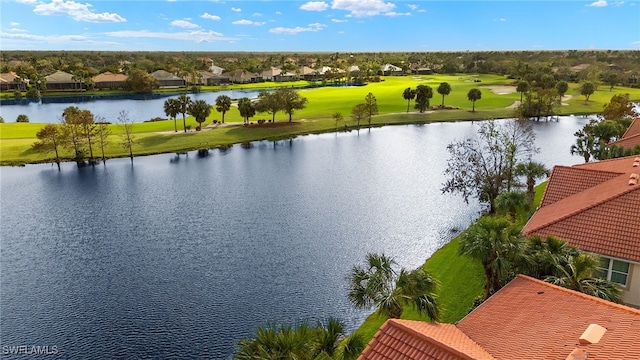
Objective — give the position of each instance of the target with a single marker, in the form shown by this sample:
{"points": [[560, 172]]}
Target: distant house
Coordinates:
{"points": [[391, 70], [308, 74], [12, 82], [167, 79], [216, 70], [354, 70], [271, 73], [63, 81], [596, 208], [526, 319], [285, 76], [243, 77], [218, 80], [631, 137], [108, 80], [423, 71]]}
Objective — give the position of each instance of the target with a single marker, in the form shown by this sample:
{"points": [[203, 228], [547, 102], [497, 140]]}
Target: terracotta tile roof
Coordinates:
{"points": [[631, 137], [60, 77], [603, 218], [633, 129], [532, 319], [164, 75], [526, 319], [568, 181], [109, 77], [407, 339]]}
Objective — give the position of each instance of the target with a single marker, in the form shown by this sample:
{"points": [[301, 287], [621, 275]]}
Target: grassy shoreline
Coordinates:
{"points": [[158, 137]]}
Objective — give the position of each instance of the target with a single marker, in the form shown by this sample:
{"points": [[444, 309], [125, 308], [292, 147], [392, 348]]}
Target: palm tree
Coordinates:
{"points": [[541, 256], [324, 341], [171, 109], [473, 95], [497, 243], [246, 108], [409, 94], [510, 202], [377, 284], [223, 104], [183, 105], [444, 89], [337, 116], [532, 171], [576, 272], [199, 109]]}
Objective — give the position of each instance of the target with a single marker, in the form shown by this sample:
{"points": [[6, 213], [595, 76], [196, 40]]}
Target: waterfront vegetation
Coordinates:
{"points": [[16, 139]]}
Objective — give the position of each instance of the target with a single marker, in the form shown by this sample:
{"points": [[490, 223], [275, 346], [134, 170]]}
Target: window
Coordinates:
{"points": [[614, 270]]}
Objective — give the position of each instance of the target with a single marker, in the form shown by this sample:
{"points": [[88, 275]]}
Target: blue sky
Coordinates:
{"points": [[330, 25]]}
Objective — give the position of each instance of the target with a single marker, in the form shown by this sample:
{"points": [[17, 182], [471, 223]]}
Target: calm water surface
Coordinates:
{"points": [[180, 257]]}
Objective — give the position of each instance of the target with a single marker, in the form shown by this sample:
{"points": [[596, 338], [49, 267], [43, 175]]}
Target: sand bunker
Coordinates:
{"points": [[501, 89]]}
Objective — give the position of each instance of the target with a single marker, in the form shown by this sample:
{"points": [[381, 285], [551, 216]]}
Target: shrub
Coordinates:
{"points": [[22, 118], [33, 93], [1, 120], [17, 94]]}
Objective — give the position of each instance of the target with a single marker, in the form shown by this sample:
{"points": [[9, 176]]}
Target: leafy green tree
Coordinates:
{"points": [[246, 108], [409, 94], [184, 102], [532, 171], [619, 107], [1, 120], [33, 93], [523, 86], [50, 138], [358, 112], [496, 242], [128, 140], [562, 87], [474, 95], [199, 109], [141, 82], [587, 89], [22, 118], [172, 109], [290, 101], [372, 106], [223, 104], [423, 94], [444, 89], [377, 284], [72, 130], [303, 342], [612, 79], [483, 166], [268, 102]]}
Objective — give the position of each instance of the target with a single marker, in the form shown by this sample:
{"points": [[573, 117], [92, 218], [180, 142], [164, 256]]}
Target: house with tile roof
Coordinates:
{"points": [[12, 82], [243, 77], [526, 319], [631, 137], [63, 81], [391, 70], [596, 208], [108, 80], [167, 79], [271, 73]]}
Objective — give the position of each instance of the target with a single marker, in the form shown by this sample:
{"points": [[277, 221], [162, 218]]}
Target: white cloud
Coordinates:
{"points": [[293, 31], [27, 1], [339, 21], [53, 39], [236, 9], [257, 14], [315, 6], [15, 30], [197, 36], [503, 19], [210, 17], [618, 3], [636, 43], [422, 10], [599, 3], [413, 7], [77, 11], [278, 13], [363, 8], [247, 22], [394, 14], [185, 24], [13, 23]]}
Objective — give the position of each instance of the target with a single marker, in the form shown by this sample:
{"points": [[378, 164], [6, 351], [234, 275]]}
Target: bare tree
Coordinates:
{"points": [[127, 136]]}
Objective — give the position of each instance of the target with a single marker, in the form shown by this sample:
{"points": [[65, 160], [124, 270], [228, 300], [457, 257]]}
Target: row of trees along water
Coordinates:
{"points": [[494, 167]]}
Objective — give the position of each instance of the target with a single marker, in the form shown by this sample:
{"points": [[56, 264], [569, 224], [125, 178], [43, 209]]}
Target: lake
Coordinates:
{"points": [[140, 107], [182, 256]]}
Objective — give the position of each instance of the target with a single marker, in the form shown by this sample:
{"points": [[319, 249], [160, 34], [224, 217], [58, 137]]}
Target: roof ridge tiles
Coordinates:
{"points": [[582, 295], [623, 178]]}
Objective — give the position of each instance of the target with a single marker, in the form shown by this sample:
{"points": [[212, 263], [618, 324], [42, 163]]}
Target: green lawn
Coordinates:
{"points": [[16, 138]]}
